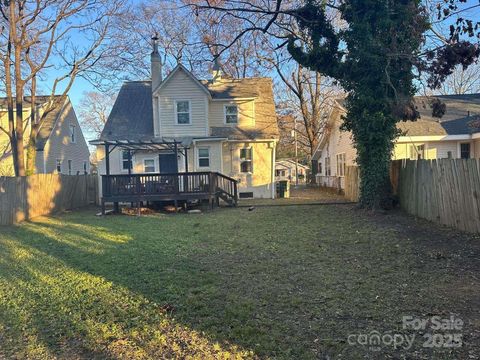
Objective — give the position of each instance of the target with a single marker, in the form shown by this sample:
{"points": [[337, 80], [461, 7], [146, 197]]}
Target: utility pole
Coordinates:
{"points": [[296, 149]]}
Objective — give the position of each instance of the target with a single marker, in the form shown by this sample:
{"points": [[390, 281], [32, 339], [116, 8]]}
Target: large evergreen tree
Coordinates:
{"points": [[372, 59], [374, 49]]}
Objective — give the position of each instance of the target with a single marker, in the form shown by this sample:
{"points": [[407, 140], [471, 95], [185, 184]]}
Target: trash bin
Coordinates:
{"points": [[283, 189]]}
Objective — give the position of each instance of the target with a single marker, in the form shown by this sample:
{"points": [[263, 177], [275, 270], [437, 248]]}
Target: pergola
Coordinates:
{"points": [[161, 145]]}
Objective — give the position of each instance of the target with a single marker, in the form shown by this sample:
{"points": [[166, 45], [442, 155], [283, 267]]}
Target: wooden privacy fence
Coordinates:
{"points": [[352, 183], [23, 198], [446, 191]]}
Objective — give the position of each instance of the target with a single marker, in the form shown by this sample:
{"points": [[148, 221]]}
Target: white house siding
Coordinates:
{"points": [[182, 87], [215, 152], [259, 182], [433, 149], [59, 145], [337, 142], [246, 117]]}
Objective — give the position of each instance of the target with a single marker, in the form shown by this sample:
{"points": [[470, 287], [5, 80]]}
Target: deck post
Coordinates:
{"points": [[186, 159], [129, 162], [107, 159], [185, 178]]}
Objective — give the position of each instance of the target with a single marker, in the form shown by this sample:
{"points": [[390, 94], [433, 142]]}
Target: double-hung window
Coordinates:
{"points": [[231, 114], [465, 151], [319, 171], [246, 160], [85, 167], [59, 166], [328, 170], [148, 165], [126, 161], [69, 167], [182, 110], [203, 157], [341, 164]]}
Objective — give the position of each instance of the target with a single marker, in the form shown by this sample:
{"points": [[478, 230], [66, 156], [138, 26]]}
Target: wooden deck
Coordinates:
{"points": [[211, 186]]}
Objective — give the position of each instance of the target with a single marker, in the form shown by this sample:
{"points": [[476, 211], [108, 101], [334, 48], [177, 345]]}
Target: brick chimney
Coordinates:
{"points": [[156, 63]]}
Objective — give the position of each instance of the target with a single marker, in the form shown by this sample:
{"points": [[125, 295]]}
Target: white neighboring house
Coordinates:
{"points": [[285, 169], [61, 146], [455, 135]]}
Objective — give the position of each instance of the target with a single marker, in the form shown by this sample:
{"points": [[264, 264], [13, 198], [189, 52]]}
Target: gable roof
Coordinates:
{"points": [[49, 122], [460, 115], [132, 114], [178, 68], [460, 118]]}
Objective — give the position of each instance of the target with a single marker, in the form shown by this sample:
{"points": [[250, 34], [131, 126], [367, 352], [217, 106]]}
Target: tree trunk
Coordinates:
{"points": [[20, 146], [34, 126]]}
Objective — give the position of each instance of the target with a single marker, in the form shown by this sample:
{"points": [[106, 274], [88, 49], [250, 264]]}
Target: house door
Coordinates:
{"points": [[168, 163]]}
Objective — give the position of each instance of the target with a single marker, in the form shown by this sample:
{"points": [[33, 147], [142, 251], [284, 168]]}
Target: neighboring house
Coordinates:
{"points": [[224, 125], [61, 147], [455, 135], [285, 169]]}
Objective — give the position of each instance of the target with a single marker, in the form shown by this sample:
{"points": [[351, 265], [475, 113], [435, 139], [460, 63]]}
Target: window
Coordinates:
{"points": [[148, 165], [69, 167], [85, 167], [126, 161], [203, 157], [465, 151], [341, 164], [417, 152], [328, 170], [246, 165], [319, 167], [280, 173], [72, 133], [59, 166], [231, 114], [183, 112]]}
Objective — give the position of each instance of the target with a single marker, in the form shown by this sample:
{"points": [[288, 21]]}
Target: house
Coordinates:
{"points": [[455, 135], [286, 169], [182, 124], [61, 147]]}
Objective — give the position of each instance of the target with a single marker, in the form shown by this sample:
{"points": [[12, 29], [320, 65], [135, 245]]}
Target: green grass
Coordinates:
{"points": [[281, 282]]}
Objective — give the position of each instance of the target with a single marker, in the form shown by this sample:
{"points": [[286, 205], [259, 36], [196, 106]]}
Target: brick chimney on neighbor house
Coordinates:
{"points": [[156, 63]]}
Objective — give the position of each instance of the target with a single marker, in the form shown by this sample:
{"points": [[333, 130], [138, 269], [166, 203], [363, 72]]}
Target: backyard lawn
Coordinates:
{"points": [[287, 282]]}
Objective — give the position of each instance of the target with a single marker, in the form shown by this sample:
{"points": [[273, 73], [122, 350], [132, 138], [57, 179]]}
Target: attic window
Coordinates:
{"points": [[231, 114], [183, 112]]}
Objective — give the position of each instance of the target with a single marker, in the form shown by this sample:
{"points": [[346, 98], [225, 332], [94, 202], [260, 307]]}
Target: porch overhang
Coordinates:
{"points": [[154, 144]]}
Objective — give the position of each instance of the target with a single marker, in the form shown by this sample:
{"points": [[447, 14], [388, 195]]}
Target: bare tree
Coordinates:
{"points": [[41, 38], [94, 110], [308, 96], [462, 81]]}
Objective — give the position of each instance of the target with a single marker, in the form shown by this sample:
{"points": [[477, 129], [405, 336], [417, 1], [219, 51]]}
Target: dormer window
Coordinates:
{"points": [[182, 108], [231, 114]]}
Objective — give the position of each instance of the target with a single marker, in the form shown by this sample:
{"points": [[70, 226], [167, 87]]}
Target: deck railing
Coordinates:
{"points": [[181, 184]]}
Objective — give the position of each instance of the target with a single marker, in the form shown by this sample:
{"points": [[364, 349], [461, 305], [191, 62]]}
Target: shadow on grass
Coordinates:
{"points": [[283, 283]]}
